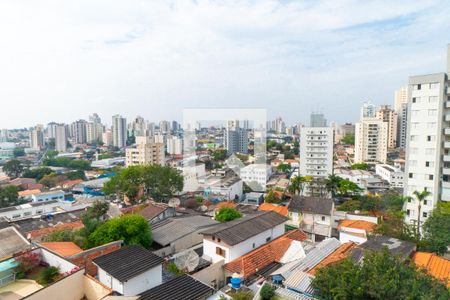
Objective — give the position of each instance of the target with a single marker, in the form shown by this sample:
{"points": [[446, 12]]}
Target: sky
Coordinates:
{"points": [[63, 60]]}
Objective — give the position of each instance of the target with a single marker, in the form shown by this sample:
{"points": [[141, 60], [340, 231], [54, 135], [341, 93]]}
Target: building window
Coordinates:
{"points": [[254, 245], [414, 100], [425, 202], [427, 164], [425, 214], [323, 218], [218, 240], [411, 175], [220, 251], [430, 177], [407, 212], [213, 238], [268, 239]]}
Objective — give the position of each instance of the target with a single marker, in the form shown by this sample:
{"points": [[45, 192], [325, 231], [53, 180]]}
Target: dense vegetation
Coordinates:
{"points": [[226, 214], [379, 276], [141, 182]]}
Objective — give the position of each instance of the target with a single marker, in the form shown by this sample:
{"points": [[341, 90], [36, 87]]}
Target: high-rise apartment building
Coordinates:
{"points": [[317, 120], [61, 138], [145, 152], [316, 151], [107, 138], [36, 137], [401, 109], [94, 129], [174, 145], [371, 140], [164, 127], [79, 131], [388, 115], [235, 138], [428, 144], [51, 130], [119, 131], [367, 110], [3, 135]]}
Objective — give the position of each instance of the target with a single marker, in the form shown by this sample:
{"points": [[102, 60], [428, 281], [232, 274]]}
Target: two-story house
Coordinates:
{"points": [[230, 240], [313, 215]]}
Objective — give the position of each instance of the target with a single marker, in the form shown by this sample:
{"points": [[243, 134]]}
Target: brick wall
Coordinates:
{"points": [[85, 258]]}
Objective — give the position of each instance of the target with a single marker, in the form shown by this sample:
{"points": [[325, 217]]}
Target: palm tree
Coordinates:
{"points": [[420, 196], [296, 185]]}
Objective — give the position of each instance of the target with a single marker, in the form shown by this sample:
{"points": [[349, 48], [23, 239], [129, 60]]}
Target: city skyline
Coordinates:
{"points": [[159, 58]]}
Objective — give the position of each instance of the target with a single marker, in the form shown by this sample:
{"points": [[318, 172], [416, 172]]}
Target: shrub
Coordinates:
{"points": [[28, 261], [226, 214], [172, 268], [267, 292], [48, 275]]}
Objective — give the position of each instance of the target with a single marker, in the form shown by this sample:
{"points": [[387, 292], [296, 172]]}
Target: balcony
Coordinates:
{"points": [[447, 158], [447, 145], [447, 131], [447, 117], [446, 185], [446, 171], [445, 194], [447, 104]]}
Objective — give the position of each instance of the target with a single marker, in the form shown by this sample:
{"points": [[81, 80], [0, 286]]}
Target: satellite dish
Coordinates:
{"points": [[174, 202], [187, 261]]}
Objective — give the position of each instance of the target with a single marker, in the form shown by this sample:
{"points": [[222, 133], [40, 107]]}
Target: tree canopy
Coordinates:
{"points": [[219, 155], [436, 230], [77, 164], [13, 168], [380, 276], [271, 197], [348, 139], [9, 196], [226, 214], [132, 229], [156, 181], [360, 166], [37, 173]]}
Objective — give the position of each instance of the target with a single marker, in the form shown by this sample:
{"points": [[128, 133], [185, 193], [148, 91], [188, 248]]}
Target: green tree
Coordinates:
{"points": [[348, 139], [332, 184], [284, 168], [156, 181], [52, 180], [13, 168], [350, 205], [360, 166], [420, 197], [37, 173], [267, 292], [436, 230], [132, 229], [348, 188], [19, 151], [9, 196], [226, 214], [272, 198], [219, 155], [48, 275], [380, 276]]}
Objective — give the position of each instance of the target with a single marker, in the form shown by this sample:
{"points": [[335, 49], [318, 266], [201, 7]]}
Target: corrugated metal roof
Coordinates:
{"points": [[300, 281], [313, 257], [170, 230], [239, 230], [290, 295]]}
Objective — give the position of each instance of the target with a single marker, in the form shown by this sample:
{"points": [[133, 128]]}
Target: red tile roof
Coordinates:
{"points": [[435, 265], [339, 254], [250, 263], [282, 210], [148, 211], [62, 248], [358, 224], [225, 204]]}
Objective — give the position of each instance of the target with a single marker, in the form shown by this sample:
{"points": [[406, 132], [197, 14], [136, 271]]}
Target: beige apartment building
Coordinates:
{"points": [[145, 152], [371, 140], [388, 115]]}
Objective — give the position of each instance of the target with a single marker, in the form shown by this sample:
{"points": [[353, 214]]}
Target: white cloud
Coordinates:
{"points": [[61, 60]]}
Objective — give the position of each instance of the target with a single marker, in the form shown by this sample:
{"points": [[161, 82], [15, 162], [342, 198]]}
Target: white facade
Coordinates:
{"points": [[119, 131], [394, 176], [61, 138], [135, 285], [427, 147], [175, 145], [386, 114], [232, 252], [316, 151], [348, 234], [47, 196], [371, 140], [312, 224], [256, 173]]}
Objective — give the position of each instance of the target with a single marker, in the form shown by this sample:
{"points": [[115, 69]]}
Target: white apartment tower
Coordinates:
{"points": [[36, 136], [316, 151], [387, 114], [371, 140], [367, 110], [428, 144], [119, 131], [61, 138], [401, 109], [235, 138]]}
